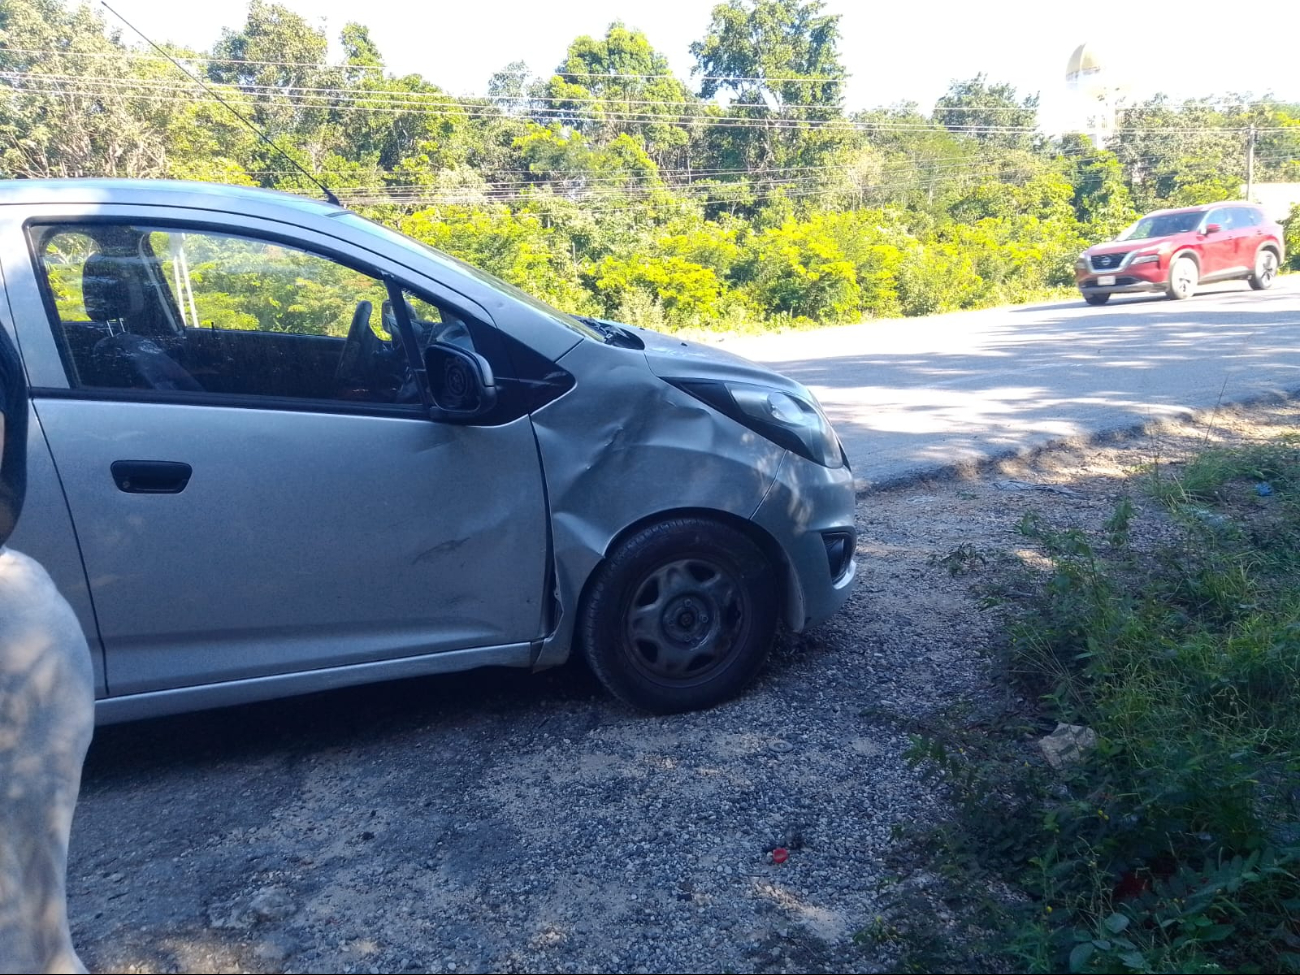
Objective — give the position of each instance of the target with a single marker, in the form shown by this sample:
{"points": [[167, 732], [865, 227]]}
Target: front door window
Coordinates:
{"points": [[190, 311]]}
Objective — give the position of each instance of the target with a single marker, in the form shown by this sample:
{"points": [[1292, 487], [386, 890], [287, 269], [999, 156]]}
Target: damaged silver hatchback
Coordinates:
{"points": [[276, 448]]}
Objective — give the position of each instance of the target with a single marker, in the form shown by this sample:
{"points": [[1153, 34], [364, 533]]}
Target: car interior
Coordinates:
{"points": [[134, 335]]}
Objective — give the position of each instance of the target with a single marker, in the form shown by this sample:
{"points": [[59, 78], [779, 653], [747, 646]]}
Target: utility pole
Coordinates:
{"points": [[1250, 163]]}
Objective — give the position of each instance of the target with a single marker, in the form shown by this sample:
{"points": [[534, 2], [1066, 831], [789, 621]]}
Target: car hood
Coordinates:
{"points": [[1124, 246], [672, 358]]}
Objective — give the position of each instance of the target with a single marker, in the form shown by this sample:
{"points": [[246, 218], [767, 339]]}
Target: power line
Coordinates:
{"points": [[141, 56], [478, 110], [400, 98], [517, 191], [612, 200], [136, 55], [710, 172], [489, 111], [425, 195], [923, 171], [256, 131], [680, 202], [397, 96]]}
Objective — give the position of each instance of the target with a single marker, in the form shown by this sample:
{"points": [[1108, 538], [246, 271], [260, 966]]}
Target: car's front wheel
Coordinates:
{"points": [[681, 616], [1183, 278], [1096, 299], [1265, 270]]}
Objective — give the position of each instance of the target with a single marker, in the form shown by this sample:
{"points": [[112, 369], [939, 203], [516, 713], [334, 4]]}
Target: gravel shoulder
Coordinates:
{"points": [[503, 822]]}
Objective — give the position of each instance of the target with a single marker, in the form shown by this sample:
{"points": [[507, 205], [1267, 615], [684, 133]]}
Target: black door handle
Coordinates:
{"points": [[151, 476]]}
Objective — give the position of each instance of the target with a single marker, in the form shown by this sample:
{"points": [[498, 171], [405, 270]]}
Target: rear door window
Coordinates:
{"points": [[1249, 217]]}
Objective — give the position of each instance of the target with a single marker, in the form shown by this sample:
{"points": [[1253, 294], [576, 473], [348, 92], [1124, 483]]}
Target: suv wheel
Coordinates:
{"points": [[1265, 269], [1096, 299], [681, 616], [1183, 278]]}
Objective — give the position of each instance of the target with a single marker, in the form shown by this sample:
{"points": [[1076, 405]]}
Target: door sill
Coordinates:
{"points": [[1229, 274], [153, 704]]}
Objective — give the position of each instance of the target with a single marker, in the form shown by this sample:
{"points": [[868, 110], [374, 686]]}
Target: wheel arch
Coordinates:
{"points": [[768, 545]]}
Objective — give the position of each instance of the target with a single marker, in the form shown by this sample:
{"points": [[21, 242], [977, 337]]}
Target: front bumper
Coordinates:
{"points": [[809, 512], [1130, 279], [1122, 287]]}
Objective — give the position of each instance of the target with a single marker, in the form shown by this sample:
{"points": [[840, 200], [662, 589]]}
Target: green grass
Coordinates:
{"points": [[1175, 846]]}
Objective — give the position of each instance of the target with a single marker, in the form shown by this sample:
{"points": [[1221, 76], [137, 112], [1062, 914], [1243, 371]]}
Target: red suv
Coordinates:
{"points": [[1175, 250]]}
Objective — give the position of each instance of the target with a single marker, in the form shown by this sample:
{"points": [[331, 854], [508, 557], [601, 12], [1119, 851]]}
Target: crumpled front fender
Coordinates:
{"points": [[624, 446]]}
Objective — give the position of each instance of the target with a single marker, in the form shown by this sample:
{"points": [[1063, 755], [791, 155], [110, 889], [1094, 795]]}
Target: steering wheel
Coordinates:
{"points": [[357, 348]]}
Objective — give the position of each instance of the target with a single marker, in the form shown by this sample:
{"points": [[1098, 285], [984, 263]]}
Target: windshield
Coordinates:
{"points": [[424, 250], [1163, 225]]}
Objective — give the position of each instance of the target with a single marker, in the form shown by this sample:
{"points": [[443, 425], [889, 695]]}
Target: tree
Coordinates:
{"points": [[779, 59], [1171, 155], [611, 185], [1100, 198], [913, 160], [782, 52], [512, 88], [991, 113], [359, 49], [279, 61], [276, 48], [620, 84], [71, 108]]}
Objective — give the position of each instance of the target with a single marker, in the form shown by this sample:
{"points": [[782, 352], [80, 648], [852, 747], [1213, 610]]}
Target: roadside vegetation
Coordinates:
{"points": [[1170, 841], [747, 196]]}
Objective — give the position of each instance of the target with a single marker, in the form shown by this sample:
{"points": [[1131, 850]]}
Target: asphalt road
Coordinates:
{"points": [[912, 395]]}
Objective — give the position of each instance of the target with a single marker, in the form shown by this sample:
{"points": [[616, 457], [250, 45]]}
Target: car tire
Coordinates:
{"points": [[1265, 273], [1096, 299], [681, 616], [1184, 275]]}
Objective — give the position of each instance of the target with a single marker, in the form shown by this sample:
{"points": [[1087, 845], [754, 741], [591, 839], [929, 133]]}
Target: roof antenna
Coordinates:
{"points": [[225, 104]]}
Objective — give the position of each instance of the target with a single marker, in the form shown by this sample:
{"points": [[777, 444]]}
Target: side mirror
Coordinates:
{"points": [[1212, 228], [460, 382]]}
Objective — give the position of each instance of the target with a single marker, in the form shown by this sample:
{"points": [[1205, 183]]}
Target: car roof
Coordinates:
{"points": [[167, 192], [1203, 207]]}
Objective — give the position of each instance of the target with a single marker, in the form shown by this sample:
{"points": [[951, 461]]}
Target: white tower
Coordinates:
{"points": [[1095, 93]]}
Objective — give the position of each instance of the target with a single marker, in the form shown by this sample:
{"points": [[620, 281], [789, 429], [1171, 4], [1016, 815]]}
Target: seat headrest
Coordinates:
{"points": [[110, 287]]}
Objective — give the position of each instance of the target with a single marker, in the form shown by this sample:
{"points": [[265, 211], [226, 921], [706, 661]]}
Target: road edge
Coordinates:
{"points": [[971, 468]]}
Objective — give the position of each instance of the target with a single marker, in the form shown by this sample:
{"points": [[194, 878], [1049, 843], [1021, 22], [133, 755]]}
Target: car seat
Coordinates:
{"points": [[114, 296]]}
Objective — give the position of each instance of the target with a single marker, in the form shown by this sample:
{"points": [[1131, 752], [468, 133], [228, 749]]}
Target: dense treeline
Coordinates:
{"points": [[744, 196]]}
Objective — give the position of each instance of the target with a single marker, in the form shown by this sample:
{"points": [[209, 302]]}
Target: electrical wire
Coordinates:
{"points": [[476, 110], [257, 131]]}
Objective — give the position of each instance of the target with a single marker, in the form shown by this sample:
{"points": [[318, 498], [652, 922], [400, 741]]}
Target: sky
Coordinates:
{"points": [[896, 51]]}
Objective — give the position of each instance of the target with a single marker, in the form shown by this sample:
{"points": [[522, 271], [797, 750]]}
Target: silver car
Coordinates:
{"points": [[276, 448]]}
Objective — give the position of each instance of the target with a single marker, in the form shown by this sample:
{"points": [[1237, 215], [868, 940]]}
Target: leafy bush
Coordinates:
{"points": [[517, 247], [687, 292], [796, 271], [1175, 846], [936, 278]]}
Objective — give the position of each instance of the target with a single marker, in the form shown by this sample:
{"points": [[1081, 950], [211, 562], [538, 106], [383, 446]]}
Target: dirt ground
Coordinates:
{"points": [[499, 821]]}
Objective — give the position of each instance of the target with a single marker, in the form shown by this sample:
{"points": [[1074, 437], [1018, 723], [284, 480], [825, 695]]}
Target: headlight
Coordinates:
{"points": [[1082, 263], [1146, 258], [787, 420]]}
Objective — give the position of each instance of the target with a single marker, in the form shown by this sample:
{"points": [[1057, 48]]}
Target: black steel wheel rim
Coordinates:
{"points": [[685, 620]]}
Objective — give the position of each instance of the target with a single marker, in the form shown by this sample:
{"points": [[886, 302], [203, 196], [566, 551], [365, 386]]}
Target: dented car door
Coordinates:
{"points": [[244, 505]]}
